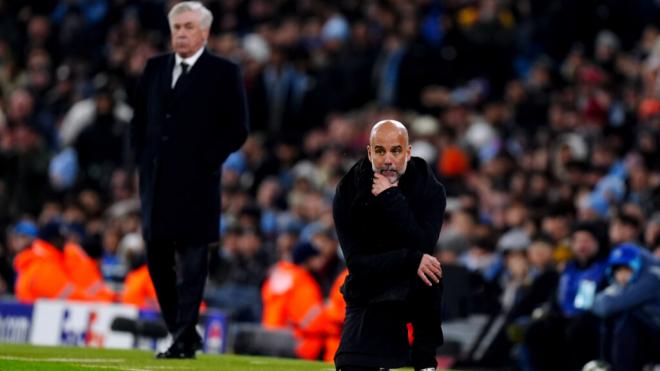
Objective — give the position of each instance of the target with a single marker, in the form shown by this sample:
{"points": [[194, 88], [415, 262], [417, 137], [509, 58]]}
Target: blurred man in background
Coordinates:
{"points": [[190, 114], [291, 297], [50, 269], [568, 326]]}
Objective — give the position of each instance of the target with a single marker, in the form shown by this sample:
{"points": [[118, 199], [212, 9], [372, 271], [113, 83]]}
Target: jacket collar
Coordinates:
{"points": [[190, 60]]}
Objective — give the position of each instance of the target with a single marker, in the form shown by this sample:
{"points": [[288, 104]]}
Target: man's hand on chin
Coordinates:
{"points": [[381, 183]]}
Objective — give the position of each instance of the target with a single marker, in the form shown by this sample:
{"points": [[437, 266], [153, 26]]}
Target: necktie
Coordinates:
{"points": [[184, 72]]}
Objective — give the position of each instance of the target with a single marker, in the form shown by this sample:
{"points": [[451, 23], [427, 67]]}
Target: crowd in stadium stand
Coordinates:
{"points": [[542, 119]]}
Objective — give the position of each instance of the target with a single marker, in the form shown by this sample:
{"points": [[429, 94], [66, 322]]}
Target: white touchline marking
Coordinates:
{"points": [[123, 368], [72, 360], [96, 367], [92, 363]]}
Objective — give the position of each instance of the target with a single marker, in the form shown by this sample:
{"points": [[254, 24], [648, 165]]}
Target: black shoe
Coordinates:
{"points": [[179, 350]]}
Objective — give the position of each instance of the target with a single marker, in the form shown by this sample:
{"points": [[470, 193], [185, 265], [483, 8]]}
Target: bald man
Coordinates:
{"points": [[388, 211]]}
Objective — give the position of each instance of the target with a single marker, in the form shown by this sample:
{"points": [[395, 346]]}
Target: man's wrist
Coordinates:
{"points": [[387, 194]]}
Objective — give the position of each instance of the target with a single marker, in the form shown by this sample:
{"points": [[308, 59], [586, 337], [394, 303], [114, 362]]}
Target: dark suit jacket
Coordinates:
{"points": [[181, 138], [383, 238]]}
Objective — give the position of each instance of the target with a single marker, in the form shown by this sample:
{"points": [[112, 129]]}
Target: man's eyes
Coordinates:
{"points": [[396, 151], [187, 26]]}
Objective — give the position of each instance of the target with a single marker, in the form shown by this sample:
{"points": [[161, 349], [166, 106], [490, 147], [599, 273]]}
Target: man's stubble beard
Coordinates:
{"points": [[399, 173]]}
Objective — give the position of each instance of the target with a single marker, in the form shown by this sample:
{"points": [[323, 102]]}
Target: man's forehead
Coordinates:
{"points": [[387, 145], [389, 138], [186, 17]]}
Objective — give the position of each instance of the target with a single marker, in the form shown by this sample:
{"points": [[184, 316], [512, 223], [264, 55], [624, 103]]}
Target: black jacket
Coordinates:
{"points": [[383, 238], [181, 138]]}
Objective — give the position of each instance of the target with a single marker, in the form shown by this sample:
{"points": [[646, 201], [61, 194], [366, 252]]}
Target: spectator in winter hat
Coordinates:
{"points": [[630, 308]]}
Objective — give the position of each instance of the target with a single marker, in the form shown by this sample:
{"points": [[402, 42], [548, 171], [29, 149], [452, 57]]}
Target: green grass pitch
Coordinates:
{"points": [[30, 357], [22, 357]]}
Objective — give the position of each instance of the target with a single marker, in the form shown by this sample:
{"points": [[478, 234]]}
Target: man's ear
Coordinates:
{"points": [[409, 153], [369, 151]]}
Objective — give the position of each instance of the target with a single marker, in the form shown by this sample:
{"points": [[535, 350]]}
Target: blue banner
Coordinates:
{"points": [[15, 322], [215, 331], [74, 325]]}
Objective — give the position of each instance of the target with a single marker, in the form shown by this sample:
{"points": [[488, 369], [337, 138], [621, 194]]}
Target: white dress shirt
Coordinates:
{"points": [[190, 61]]}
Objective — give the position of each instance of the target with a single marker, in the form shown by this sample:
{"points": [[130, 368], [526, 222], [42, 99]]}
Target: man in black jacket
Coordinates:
{"points": [[190, 114], [388, 213]]}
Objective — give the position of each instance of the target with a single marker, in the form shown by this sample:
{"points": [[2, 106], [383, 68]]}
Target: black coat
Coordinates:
{"points": [[383, 238], [181, 138]]}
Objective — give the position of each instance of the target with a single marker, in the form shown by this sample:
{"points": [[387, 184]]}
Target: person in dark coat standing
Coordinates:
{"points": [[388, 211], [190, 114]]}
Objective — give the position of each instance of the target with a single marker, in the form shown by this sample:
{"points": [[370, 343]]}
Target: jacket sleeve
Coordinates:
{"points": [[617, 299], [421, 230], [394, 263], [235, 132]]}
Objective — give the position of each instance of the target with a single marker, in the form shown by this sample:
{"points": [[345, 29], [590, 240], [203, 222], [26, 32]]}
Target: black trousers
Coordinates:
{"points": [[576, 339], [375, 334], [179, 273]]}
